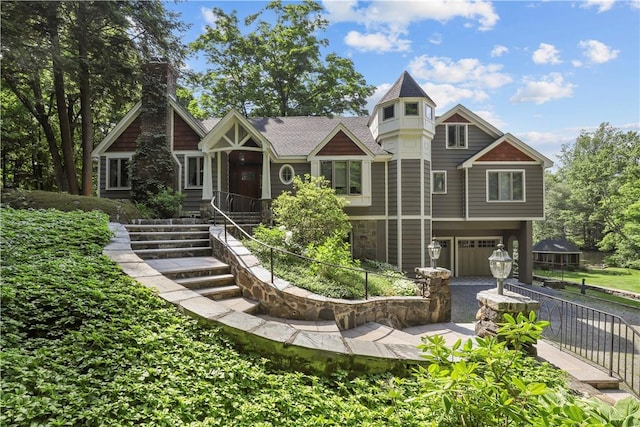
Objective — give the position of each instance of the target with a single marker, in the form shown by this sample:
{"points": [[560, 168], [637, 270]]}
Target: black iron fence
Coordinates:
{"points": [[599, 337], [360, 274], [231, 202]]}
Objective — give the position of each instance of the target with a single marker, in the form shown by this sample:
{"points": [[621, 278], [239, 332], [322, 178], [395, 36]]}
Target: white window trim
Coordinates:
{"points": [[388, 118], [466, 136], [417, 104], [280, 174], [186, 171], [433, 181], [108, 158], [524, 185]]}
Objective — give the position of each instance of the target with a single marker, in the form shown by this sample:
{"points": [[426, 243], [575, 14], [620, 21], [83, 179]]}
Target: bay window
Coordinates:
{"points": [[345, 176], [505, 186]]}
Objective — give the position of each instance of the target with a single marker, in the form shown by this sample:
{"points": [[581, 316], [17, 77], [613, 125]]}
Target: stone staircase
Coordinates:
{"points": [[183, 253]]}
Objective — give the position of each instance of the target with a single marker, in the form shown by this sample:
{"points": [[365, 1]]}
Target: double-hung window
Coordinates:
{"points": [[118, 172], [345, 176], [456, 136], [505, 186], [195, 171]]}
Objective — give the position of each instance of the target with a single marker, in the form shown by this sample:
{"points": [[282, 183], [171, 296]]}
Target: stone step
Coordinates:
{"points": [[220, 292], [166, 227], [184, 273], [173, 253], [200, 282], [167, 235], [167, 244], [243, 304]]}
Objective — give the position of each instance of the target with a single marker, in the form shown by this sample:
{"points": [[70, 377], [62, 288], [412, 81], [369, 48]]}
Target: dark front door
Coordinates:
{"points": [[245, 173]]}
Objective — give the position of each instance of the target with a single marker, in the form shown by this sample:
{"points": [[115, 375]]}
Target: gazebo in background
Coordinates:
{"points": [[556, 254]]}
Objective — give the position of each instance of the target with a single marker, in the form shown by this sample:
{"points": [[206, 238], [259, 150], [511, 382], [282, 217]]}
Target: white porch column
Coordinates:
{"points": [[266, 176], [207, 185]]}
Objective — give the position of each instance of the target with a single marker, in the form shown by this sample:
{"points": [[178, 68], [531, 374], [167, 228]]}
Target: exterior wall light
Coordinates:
{"points": [[500, 264], [434, 252]]}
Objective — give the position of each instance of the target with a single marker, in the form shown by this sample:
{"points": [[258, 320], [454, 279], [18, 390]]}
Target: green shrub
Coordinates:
{"points": [[312, 212], [334, 251], [166, 204]]}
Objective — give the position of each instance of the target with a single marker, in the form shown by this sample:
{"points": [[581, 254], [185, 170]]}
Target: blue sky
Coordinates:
{"points": [[541, 70]]}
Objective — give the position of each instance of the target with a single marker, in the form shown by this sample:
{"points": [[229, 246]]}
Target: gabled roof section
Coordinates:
{"points": [[530, 154], [354, 145], [405, 87], [120, 127], [297, 137], [560, 246], [217, 140], [473, 118]]}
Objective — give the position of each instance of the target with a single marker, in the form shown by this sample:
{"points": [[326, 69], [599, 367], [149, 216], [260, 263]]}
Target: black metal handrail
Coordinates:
{"points": [[232, 202], [272, 249], [602, 338]]}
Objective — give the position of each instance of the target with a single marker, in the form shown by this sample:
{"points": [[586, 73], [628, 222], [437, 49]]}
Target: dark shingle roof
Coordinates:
{"points": [[405, 87], [556, 246], [299, 136]]}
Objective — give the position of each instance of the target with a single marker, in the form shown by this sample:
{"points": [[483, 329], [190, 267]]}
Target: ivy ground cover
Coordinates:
{"points": [[84, 345]]}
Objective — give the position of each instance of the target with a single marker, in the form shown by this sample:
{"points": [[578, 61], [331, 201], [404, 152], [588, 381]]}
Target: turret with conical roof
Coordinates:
{"points": [[403, 123]]}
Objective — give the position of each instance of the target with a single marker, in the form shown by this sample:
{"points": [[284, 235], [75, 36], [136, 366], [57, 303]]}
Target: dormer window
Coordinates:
{"points": [[388, 112], [456, 136], [411, 109]]}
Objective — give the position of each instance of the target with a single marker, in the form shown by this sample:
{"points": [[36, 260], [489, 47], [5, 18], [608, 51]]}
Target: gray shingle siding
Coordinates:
{"points": [[410, 175], [411, 242], [533, 207], [452, 204], [277, 187], [393, 242], [393, 188], [377, 193]]}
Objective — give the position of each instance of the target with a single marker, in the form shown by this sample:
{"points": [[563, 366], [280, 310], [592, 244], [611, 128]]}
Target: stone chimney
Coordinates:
{"points": [[158, 86]]}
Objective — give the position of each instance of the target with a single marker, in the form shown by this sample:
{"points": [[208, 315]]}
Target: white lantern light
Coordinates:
{"points": [[500, 263], [434, 252]]}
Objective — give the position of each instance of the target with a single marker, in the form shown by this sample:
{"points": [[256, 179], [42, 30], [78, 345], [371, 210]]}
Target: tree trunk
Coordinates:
{"points": [[85, 103], [37, 109], [61, 105]]}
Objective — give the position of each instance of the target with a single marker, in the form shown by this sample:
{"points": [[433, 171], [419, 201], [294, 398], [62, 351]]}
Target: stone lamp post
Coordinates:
{"points": [[434, 252], [500, 263]]}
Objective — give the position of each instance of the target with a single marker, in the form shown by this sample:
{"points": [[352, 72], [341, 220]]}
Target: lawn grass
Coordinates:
{"points": [[575, 290], [625, 279]]}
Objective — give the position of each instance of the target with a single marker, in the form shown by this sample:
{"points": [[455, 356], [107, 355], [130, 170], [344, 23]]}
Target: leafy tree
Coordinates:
{"points": [[277, 69], [592, 198], [312, 212], [73, 64]]}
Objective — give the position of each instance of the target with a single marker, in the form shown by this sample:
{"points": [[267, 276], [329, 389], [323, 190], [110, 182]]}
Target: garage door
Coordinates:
{"points": [[473, 256]]}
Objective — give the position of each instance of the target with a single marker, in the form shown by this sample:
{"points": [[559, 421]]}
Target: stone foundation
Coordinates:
{"points": [[433, 285], [365, 239], [493, 307]]}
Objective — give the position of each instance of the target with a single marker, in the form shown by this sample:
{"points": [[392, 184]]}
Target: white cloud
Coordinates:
{"points": [[597, 52], [491, 117], [399, 14], [602, 5], [436, 38], [377, 42], [546, 54], [499, 50], [208, 15], [550, 87], [446, 95], [467, 71]]}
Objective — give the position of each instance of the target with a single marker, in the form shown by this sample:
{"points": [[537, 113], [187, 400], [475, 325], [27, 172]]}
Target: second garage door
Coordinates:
{"points": [[473, 256]]}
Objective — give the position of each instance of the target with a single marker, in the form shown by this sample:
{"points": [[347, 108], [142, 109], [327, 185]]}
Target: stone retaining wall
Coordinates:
{"points": [[281, 299]]}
